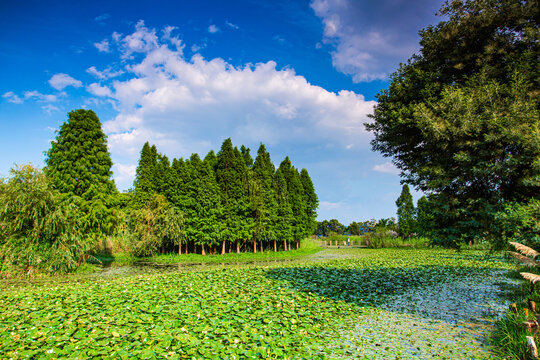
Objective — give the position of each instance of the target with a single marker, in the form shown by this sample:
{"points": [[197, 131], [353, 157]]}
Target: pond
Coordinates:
{"points": [[387, 303]]}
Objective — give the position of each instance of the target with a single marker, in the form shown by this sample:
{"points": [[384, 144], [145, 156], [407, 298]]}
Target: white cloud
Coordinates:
{"points": [[186, 105], [99, 90], [12, 97], [49, 108], [212, 29], [124, 173], [60, 81], [386, 168], [103, 46], [101, 18], [105, 74], [371, 39], [231, 25], [36, 95]]}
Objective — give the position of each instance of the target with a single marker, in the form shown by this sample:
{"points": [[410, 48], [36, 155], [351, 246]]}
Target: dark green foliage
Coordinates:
{"points": [[146, 176], [232, 178], [405, 212], [40, 228], [247, 156], [461, 118], [296, 197], [78, 162], [520, 222], [311, 202], [228, 200], [263, 197], [424, 216], [326, 228], [79, 166], [284, 220]]}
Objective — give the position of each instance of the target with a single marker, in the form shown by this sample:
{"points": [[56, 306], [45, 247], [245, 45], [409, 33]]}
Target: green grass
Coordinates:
{"points": [[356, 304], [307, 247]]}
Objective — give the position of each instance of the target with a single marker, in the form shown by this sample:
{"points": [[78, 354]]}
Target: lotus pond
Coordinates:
{"points": [[372, 304]]}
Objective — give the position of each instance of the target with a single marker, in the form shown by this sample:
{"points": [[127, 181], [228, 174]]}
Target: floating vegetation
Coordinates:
{"points": [[370, 304]]}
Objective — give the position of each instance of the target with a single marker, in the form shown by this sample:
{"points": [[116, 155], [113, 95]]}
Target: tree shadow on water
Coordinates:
{"points": [[446, 293]]}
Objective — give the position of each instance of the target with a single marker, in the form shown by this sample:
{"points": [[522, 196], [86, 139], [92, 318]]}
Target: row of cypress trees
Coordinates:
{"points": [[231, 202]]}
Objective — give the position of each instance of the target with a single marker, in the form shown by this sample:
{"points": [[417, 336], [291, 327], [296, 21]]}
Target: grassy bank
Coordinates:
{"points": [[510, 334], [307, 247]]}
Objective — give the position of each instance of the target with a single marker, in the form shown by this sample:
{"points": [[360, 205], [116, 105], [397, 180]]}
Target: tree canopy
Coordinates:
{"points": [[460, 119]]}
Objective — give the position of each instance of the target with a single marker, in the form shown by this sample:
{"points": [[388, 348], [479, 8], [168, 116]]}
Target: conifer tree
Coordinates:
{"points": [[78, 162], [312, 202], [283, 223], [247, 156], [146, 174], [405, 212], [296, 199], [265, 215], [231, 174]]}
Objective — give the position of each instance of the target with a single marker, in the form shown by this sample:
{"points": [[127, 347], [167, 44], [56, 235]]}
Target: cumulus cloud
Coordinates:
{"points": [[370, 39], [61, 81], [12, 97], [386, 168], [103, 46], [186, 105], [212, 29]]}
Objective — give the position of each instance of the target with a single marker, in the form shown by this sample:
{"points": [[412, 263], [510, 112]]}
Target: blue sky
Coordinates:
{"points": [[299, 76]]}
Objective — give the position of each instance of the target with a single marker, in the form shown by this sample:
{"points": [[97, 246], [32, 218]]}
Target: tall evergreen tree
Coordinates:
{"points": [[231, 174], [405, 212], [265, 214], [312, 202], [145, 182], [284, 212], [247, 156], [296, 199], [78, 162]]}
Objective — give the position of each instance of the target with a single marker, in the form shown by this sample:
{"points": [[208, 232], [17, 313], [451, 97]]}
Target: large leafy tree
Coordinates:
{"points": [[460, 119], [297, 200], [78, 162]]}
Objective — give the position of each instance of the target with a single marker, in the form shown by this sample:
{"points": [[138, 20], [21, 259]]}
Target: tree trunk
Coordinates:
{"points": [[223, 248], [202, 250], [275, 245], [262, 246], [285, 245], [297, 244], [237, 246], [180, 249], [254, 246]]}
